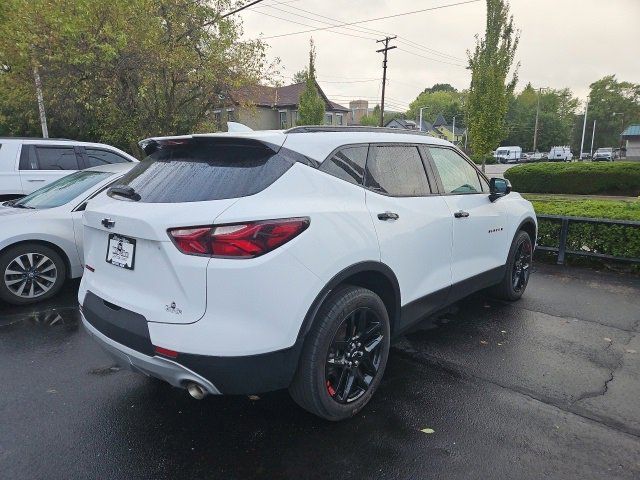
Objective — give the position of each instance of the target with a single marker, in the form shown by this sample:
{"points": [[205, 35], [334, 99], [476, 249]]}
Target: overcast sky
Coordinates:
{"points": [[564, 43]]}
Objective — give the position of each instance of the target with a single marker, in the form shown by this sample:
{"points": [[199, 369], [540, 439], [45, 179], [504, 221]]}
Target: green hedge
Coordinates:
{"points": [[622, 241], [579, 178], [488, 159]]}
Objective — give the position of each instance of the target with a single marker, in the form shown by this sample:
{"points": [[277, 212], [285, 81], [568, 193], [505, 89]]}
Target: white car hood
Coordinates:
{"points": [[12, 212]]}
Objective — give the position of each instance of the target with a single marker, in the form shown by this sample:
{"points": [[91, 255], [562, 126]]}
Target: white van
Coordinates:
{"points": [[560, 154], [508, 154]]}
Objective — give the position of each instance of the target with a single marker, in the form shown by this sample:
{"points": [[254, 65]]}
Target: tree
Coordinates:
{"points": [[437, 100], [311, 109], [489, 93], [122, 70], [440, 87], [555, 122], [300, 76], [608, 95], [373, 119]]}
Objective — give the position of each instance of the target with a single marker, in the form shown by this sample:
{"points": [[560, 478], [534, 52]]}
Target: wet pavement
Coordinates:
{"points": [[545, 387]]}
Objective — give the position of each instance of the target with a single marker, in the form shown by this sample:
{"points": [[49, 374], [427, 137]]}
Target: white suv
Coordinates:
{"points": [[27, 164], [247, 262]]}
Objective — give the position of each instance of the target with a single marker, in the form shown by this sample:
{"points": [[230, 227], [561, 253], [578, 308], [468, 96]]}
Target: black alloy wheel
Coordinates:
{"points": [[522, 265], [517, 270], [344, 355], [354, 356]]}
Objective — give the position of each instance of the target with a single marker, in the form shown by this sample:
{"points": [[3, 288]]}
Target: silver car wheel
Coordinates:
{"points": [[30, 275]]}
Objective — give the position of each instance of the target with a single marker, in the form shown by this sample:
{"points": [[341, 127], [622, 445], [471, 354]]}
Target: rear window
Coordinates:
{"points": [[200, 170]]}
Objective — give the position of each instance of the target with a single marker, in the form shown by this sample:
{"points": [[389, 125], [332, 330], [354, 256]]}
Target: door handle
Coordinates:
{"points": [[461, 214], [35, 180], [388, 216]]}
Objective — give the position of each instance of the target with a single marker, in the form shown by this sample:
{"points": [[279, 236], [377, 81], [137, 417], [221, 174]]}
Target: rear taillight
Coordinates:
{"points": [[246, 240]]}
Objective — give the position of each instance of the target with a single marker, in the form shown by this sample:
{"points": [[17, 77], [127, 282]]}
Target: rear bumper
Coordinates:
{"points": [[125, 336], [158, 367]]}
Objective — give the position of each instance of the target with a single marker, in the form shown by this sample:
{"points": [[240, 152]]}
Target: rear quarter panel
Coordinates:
{"points": [[258, 305]]}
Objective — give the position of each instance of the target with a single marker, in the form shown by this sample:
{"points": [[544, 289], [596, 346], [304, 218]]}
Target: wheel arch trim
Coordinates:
{"points": [[339, 278]]}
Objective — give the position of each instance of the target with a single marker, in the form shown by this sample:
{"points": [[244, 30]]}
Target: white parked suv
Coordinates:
{"points": [[27, 164], [240, 263]]}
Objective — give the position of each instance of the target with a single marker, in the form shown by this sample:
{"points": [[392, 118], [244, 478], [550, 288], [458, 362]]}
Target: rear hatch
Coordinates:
{"points": [[183, 183]]}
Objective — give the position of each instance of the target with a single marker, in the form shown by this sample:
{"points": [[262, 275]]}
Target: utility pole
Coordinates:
{"points": [[384, 50], [584, 126], [535, 130], [40, 96], [421, 108], [454, 130], [593, 137]]}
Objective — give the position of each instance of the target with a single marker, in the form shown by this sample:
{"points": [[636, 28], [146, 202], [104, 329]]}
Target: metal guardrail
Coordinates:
{"points": [[561, 249]]}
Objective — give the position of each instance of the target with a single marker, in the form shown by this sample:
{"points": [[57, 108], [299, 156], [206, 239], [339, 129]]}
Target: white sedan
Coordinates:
{"points": [[41, 234]]}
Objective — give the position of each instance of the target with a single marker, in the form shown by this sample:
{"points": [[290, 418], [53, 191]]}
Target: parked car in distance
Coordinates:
{"points": [[508, 154], [41, 234], [560, 154], [585, 156], [27, 164], [533, 156], [604, 154], [240, 263]]}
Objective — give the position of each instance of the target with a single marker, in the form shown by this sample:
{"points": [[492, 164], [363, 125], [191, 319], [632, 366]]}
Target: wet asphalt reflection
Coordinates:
{"points": [[545, 387]]}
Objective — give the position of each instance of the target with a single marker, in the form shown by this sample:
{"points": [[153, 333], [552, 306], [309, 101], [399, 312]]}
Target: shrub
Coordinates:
{"points": [[617, 178], [617, 240], [488, 159], [611, 209]]}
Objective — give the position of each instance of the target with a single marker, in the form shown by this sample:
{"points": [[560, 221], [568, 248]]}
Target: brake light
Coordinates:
{"points": [[247, 240]]}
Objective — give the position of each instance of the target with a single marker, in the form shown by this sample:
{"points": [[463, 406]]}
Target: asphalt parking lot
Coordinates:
{"points": [[547, 387]]}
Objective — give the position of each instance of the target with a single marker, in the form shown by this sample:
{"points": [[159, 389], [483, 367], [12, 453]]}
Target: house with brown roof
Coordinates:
{"points": [[261, 107]]}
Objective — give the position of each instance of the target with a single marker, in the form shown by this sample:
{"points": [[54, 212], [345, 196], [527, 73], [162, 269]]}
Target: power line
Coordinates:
{"points": [[432, 59], [307, 25], [373, 19], [366, 30], [316, 20]]}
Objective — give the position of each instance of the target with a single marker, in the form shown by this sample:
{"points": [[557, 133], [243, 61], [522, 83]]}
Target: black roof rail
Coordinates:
{"points": [[353, 128]]}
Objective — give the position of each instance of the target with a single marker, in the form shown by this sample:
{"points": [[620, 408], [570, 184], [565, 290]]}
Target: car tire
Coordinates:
{"points": [[337, 375], [39, 274], [518, 269]]}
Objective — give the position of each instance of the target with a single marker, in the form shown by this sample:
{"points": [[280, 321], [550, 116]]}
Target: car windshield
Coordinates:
{"points": [[62, 191]]}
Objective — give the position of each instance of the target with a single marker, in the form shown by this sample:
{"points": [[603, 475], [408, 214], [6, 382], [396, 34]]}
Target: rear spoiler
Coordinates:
{"points": [[150, 145]]}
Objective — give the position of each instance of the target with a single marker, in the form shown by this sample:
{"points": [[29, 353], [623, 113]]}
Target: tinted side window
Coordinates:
{"points": [[347, 164], [57, 158], [97, 157], [28, 160], [397, 170], [456, 174]]}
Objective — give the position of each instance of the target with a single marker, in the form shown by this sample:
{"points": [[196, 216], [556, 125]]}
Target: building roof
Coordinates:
{"points": [[406, 124], [440, 121], [632, 131], [274, 97]]}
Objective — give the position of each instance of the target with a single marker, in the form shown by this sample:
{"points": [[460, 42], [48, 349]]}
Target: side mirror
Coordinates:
{"points": [[498, 187]]}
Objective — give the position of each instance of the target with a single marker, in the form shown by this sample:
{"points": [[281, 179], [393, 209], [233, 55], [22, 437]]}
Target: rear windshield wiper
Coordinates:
{"points": [[124, 191]]}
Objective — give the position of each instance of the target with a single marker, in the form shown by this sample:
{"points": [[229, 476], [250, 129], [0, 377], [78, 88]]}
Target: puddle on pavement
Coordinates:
{"points": [[49, 318]]}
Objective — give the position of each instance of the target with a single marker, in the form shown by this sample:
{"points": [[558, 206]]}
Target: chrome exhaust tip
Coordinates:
{"points": [[196, 391]]}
